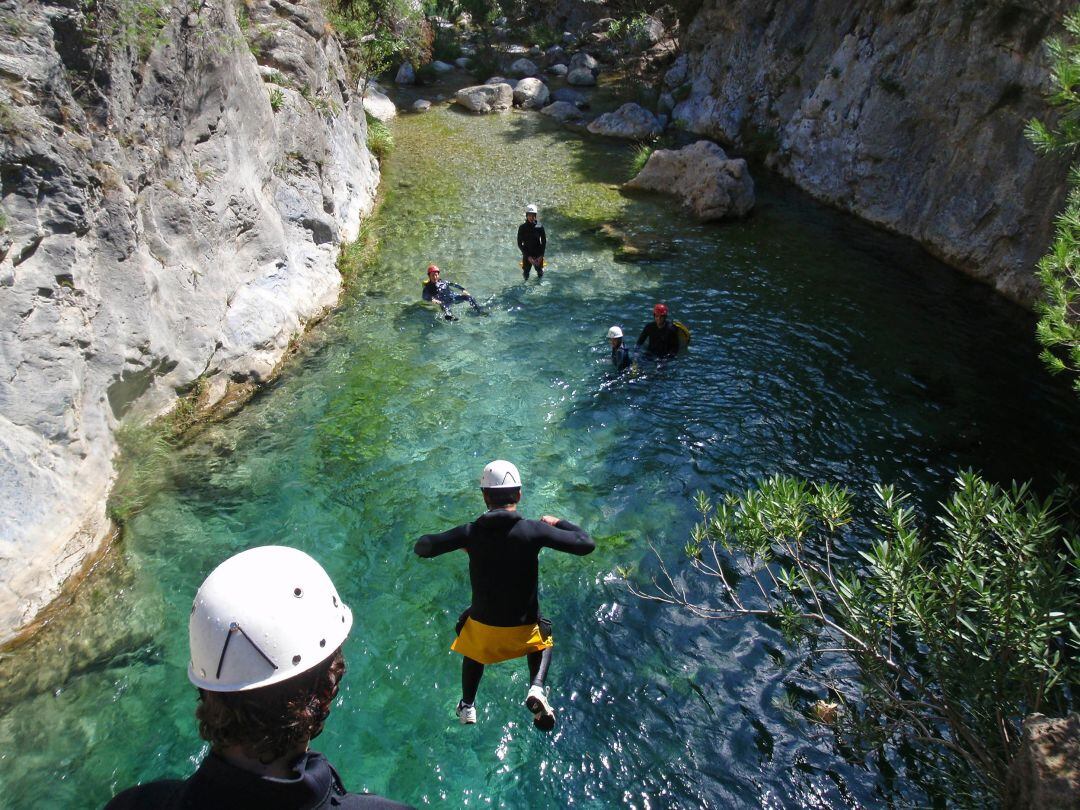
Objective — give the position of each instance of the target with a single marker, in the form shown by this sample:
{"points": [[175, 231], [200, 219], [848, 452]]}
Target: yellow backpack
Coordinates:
{"points": [[684, 334]]}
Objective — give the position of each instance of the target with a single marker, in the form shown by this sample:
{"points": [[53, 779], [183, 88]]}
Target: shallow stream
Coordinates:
{"points": [[820, 347]]}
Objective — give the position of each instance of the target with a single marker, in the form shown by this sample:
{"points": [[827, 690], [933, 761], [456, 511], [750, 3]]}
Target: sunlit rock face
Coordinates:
{"points": [[908, 114], [174, 196]]}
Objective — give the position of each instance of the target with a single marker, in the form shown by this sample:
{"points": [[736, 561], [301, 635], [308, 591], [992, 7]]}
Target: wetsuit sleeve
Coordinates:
{"points": [[543, 238], [521, 238], [565, 536], [428, 294], [455, 286], [644, 334], [432, 545]]}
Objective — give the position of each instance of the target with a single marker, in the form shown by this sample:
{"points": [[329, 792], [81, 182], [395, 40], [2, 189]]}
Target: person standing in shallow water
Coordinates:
{"points": [[265, 633], [532, 242], [620, 355], [661, 334], [504, 620]]}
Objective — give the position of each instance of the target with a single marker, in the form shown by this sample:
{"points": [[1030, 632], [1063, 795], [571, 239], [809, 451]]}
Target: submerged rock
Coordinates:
{"points": [[558, 70], [565, 112], [583, 60], [575, 97], [581, 77], [421, 105], [703, 177], [486, 98], [531, 94], [441, 67], [629, 121]]}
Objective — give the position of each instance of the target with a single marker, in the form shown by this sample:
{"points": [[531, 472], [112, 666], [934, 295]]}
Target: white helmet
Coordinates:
{"points": [[500, 475], [614, 332], [261, 617], [531, 209]]}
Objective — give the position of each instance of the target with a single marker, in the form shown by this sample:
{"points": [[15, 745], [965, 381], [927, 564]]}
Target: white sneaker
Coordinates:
{"points": [[466, 713], [537, 703]]}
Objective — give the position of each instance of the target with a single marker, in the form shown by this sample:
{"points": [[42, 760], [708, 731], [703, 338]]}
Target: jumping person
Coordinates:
{"points": [[504, 620], [661, 334], [531, 241], [620, 355], [442, 292], [265, 634]]}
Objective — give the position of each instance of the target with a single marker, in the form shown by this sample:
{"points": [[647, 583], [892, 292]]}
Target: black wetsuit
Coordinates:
{"points": [[663, 340], [531, 241], [503, 548], [218, 785], [620, 357], [443, 293]]}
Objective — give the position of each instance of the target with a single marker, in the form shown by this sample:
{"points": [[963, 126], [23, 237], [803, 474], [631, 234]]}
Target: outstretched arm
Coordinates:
{"points": [[562, 535], [432, 545], [644, 334]]}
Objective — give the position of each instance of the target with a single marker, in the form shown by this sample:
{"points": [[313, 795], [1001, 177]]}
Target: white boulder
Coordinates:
{"points": [[421, 105], [629, 121], [524, 67], [531, 94], [377, 103], [703, 177], [486, 98]]}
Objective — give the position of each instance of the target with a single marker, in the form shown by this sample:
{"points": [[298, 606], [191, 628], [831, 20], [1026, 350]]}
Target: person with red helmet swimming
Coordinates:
{"points": [[661, 335], [442, 292]]}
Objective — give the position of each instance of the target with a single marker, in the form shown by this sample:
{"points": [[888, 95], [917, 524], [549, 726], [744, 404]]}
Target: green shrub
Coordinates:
{"points": [[639, 157], [957, 632], [445, 46], [380, 141], [277, 98], [375, 33]]}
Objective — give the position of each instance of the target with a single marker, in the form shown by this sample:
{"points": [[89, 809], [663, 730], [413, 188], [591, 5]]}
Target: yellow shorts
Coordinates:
{"points": [[487, 644]]}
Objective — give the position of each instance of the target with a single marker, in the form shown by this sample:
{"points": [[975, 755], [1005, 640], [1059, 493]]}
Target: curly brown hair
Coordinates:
{"points": [[272, 720]]}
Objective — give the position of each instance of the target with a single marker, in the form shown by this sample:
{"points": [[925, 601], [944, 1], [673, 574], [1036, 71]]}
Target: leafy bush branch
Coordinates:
{"points": [[956, 635], [1058, 329]]}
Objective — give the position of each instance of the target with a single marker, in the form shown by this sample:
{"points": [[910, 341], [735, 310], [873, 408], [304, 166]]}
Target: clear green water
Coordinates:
{"points": [[820, 348]]}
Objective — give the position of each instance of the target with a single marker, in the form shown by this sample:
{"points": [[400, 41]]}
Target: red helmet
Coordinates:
{"points": [[660, 309], [433, 268]]}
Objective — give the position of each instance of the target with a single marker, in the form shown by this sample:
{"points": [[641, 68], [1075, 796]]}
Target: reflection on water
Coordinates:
{"points": [[819, 348]]}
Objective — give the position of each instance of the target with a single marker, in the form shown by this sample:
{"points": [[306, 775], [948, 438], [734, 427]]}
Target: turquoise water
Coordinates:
{"points": [[820, 348]]}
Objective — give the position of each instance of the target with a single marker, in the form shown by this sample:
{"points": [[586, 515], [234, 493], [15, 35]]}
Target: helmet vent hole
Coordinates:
{"points": [[296, 659], [322, 642], [298, 592]]}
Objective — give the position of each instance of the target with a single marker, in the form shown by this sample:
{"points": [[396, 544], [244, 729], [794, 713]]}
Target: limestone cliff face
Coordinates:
{"points": [[908, 113], [162, 225]]}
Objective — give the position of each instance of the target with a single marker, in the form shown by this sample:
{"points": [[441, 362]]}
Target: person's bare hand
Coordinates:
{"points": [[550, 520]]}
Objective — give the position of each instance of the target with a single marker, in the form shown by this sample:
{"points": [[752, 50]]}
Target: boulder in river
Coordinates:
{"points": [[462, 62], [486, 98], [421, 105], [581, 77], [581, 59], [629, 121], [405, 74], [377, 103], [564, 112], [524, 67], [441, 67], [531, 94], [709, 183], [575, 97], [558, 70]]}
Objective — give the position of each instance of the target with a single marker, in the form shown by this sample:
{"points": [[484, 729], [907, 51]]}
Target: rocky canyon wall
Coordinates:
{"points": [[176, 178], [907, 113]]}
